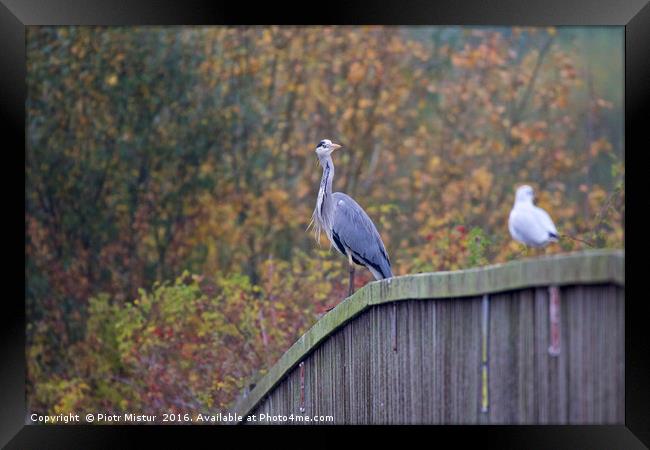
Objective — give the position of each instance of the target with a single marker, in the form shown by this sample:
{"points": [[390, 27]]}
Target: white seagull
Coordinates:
{"points": [[528, 223]]}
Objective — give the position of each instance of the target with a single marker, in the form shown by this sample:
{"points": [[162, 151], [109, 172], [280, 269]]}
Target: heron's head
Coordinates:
{"points": [[325, 148], [524, 194]]}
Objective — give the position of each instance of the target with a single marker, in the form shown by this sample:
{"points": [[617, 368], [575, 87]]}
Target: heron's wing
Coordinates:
{"points": [[525, 226], [353, 229]]}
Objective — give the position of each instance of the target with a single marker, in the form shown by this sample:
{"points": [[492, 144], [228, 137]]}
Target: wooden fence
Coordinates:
{"points": [[537, 341]]}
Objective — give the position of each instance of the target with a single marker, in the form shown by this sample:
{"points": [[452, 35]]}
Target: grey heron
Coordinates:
{"points": [[348, 227], [528, 223]]}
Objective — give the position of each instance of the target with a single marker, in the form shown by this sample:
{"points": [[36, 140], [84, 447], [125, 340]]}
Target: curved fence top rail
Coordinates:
{"points": [[589, 267]]}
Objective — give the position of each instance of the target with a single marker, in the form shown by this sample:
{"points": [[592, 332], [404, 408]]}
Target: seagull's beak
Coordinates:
{"points": [[335, 146]]}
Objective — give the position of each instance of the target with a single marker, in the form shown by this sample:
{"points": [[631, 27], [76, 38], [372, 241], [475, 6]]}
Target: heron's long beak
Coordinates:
{"points": [[335, 146]]}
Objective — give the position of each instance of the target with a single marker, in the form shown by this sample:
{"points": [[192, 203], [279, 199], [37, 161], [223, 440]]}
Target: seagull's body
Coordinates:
{"points": [[346, 224], [528, 223]]}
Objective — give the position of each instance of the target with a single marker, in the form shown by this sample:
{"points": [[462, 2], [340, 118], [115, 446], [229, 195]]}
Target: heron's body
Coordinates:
{"points": [[530, 224], [346, 224], [354, 233]]}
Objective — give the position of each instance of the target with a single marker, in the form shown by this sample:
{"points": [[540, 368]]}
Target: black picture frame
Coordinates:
{"points": [[634, 15]]}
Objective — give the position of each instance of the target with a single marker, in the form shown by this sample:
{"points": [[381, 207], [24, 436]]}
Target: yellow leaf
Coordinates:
{"points": [[111, 80]]}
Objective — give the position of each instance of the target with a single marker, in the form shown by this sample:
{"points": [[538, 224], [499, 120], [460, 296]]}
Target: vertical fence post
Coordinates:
{"points": [[394, 327], [302, 387], [554, 320], [484, 354]]}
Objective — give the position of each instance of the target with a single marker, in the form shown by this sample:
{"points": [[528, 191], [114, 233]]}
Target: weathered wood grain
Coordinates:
{"points": [[410, 357]]}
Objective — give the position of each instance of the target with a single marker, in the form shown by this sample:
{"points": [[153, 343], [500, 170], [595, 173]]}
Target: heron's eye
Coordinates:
{"points": [[321, 143]]}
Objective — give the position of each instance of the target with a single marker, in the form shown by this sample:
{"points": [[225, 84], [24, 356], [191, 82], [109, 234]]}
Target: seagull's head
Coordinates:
{"points": [[325, 148], [524, 194]]}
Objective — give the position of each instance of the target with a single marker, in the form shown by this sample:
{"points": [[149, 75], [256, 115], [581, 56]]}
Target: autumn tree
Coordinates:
{"points": [[171, 177]]}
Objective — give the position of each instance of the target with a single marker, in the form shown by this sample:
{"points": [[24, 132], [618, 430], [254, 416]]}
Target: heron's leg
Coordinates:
{"points": [[351, 289]]}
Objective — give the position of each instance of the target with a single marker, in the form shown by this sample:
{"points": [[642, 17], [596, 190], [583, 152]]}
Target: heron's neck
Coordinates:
{"points": [[328, 175], [322, 216], [324, 205]]}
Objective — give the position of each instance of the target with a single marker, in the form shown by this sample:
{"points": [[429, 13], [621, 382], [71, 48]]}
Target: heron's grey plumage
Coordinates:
{"points": [[530, 224], [352, 229], [346, 224]]}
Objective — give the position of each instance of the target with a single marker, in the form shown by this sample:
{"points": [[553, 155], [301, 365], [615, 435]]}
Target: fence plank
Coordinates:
{"points": [[418, 360]]}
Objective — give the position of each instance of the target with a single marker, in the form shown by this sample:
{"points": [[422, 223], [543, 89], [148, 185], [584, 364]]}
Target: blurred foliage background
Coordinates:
{"points": [[171, 175]]}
